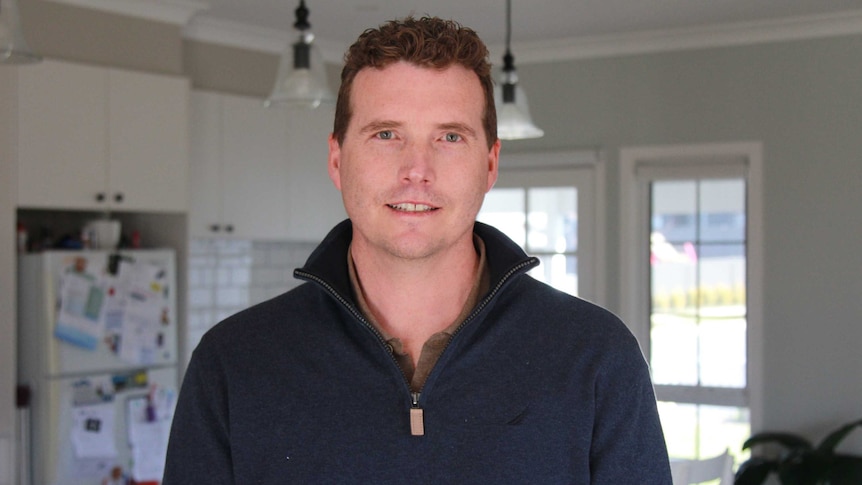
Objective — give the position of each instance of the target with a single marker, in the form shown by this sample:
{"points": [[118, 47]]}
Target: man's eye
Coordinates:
{"points": [[385, 135], [453, 137]]}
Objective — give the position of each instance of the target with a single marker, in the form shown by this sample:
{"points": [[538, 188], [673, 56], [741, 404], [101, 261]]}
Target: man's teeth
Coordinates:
{"points": [[408, 207]]}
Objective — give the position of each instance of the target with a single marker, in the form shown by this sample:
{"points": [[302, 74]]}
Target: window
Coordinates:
{"points": [[550, 212], [691, 252]]}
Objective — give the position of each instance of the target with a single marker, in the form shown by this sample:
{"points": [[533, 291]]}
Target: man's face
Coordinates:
{"points": [[414, 166]]}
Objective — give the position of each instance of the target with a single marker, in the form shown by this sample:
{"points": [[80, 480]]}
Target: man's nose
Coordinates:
{"points": [[418, 163]]}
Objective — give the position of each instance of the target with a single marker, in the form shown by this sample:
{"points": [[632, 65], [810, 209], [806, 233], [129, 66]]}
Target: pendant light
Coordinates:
{"points": [[13, 47], [513, 113], [301, 80]]}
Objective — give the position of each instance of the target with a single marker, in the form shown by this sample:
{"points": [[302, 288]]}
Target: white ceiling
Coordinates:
{"points": [[541, 28]]}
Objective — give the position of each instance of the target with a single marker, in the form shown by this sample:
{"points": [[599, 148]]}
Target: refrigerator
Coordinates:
{"points": [[97, 348]]}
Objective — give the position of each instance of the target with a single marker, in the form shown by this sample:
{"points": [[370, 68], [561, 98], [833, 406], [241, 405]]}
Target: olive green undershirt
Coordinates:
{"points": [[435, 344]]}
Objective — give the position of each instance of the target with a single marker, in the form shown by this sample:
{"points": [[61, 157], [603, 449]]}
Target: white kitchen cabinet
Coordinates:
{"points": [[62, 135], [205, 165], [94, 138], [259, 173], [149, 141], [238, 168], [315, 204]]}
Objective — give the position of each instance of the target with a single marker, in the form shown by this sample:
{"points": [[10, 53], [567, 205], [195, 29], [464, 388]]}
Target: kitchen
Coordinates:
{"points": [[127, 128], [812, 160]]}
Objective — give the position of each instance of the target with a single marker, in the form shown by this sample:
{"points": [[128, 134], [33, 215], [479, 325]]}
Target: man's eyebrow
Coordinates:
{"points": [[459, 128], [379, 125]]}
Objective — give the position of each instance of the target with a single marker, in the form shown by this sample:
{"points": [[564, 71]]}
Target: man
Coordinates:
{"points": [[419, 351]]}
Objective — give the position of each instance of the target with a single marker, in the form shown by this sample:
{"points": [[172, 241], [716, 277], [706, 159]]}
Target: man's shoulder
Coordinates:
{"points": [[541, 296], [275, 315], [569, 314]]}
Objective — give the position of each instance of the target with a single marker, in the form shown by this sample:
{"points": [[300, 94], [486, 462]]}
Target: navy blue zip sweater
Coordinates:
{"points": [[536, 387]]}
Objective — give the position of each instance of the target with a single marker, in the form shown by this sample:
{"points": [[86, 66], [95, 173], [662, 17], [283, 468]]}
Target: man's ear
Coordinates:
{"points": [[493, 164], [333, 164]]}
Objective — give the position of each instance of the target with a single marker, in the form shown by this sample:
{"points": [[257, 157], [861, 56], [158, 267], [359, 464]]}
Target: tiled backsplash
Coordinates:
{"points": [[226, 276]]}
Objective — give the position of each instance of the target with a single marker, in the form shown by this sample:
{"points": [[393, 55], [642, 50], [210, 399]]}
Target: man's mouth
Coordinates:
{"points": [[410, 207]]}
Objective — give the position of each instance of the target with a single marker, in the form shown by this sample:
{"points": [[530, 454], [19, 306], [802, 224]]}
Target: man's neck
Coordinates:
{"points": [[412, 299]]}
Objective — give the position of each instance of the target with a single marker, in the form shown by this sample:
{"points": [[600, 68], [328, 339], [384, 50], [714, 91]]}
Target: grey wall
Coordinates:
{"points": [[7, 281], [801, 99]]}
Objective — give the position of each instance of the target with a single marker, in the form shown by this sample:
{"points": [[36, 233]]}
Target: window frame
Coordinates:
{"points": [[583, 170], [692, 161]]}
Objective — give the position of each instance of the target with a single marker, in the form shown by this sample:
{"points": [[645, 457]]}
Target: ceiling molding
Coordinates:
{"points": [[244, 36], [177, 12], [234, 34], [719, 35]]}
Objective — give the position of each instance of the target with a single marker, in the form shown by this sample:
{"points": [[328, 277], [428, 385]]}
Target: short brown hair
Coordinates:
{"points": [[428, 42]]}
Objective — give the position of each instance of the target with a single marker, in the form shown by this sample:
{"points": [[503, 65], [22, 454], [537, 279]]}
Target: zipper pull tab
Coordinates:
{"points": [[417, 418]]}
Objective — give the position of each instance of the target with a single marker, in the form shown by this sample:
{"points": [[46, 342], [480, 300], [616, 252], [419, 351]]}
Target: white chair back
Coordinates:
{"points": [[687, 472]]}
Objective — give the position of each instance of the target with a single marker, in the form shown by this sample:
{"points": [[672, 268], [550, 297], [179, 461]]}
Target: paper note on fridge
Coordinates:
{"points": [[79, 319], [127, 310], [140, 329], [149, 424], [144, 308], [93, 431]]}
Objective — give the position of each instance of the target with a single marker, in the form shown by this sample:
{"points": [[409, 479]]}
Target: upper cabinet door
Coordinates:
{"points": [[205, 165], [260, 173], [148, 133], [62, 142], [255, 171], [315, 204], [94, 138]]}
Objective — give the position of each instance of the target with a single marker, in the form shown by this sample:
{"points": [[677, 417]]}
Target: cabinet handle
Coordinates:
{"points": [[118, 197], [228, 228], [100, 197], [215, 228]]}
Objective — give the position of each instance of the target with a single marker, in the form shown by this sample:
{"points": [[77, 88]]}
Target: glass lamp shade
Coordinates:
{"points": [[301, 80], [513, 117], [13, 47]]}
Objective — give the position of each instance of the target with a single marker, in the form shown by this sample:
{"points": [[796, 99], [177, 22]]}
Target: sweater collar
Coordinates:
{"points": [[327, 263]]}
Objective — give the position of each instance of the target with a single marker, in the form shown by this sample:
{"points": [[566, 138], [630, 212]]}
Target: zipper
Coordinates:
{"points": [[353, 311], [417, 414], [532, 261], [417, 422], [356, 313]]}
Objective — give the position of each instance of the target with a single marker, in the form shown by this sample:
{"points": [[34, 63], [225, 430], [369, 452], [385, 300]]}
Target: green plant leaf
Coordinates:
{"points": [[754, 471], [846, 470], [800, 475], [830, 442], [788, 440]]}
